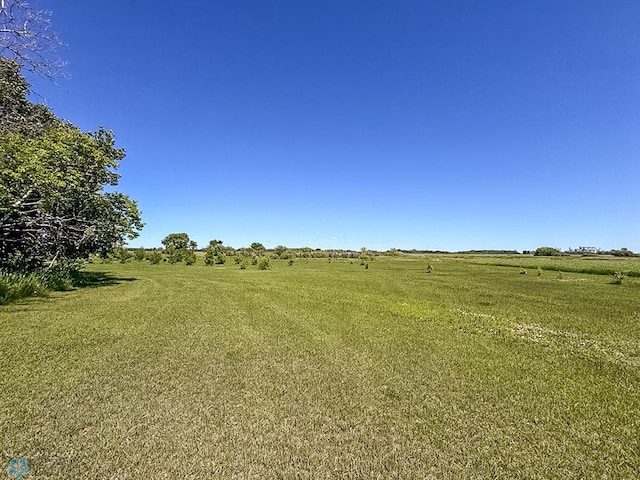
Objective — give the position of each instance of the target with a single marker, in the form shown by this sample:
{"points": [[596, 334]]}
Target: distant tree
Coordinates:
{"points": [[280, 251], [623, 252], [546, 252], [178, 246], [257, 247], [179, 241], [215, 253]]}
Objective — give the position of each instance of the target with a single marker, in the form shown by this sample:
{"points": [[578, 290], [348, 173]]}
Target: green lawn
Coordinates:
{"points": [[325, 370]]}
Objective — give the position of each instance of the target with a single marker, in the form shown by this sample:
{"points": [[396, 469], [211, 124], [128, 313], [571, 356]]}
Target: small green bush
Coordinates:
{"points": [[244, 263], [121, 254], [618, 277], [264, 263], [139, 254], [154, 257], [189, 257]]}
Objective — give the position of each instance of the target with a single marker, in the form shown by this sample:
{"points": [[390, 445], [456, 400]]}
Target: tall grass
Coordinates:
{"points": [[16, 286], [587, 265]]}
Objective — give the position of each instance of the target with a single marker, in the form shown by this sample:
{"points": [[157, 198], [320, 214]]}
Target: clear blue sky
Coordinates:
{"points": [[340, 123]]}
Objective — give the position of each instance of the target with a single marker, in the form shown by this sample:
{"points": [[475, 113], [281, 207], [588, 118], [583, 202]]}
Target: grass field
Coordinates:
{"points": [[324, 370]]}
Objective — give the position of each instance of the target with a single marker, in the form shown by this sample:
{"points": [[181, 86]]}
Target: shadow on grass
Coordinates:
{"points": [[97, 279]]}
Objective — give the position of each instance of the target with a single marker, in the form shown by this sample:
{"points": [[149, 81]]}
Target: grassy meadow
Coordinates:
{"points": [[324, 369]]}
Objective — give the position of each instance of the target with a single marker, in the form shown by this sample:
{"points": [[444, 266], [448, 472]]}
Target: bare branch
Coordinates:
{"points": [[27, 37]]}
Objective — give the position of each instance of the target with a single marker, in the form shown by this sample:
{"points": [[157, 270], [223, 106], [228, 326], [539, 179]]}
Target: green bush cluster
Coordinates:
{"points": [[547, 252]]}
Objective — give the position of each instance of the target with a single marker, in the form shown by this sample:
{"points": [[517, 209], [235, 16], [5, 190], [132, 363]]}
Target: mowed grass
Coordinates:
{"points": [[325, 370]]}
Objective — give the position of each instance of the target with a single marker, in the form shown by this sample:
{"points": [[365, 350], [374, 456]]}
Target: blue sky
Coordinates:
{"points": [[446, 124]]}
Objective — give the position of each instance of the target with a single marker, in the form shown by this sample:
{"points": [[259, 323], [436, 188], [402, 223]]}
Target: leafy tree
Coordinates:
{"points": [[178, 246], [179, 241], [17, 113], [258, 248], [52, 176]]}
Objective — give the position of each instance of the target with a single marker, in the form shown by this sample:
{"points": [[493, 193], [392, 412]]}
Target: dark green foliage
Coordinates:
{"points": [[17, 114], [546, 252], [623, 252], [139, 254]]}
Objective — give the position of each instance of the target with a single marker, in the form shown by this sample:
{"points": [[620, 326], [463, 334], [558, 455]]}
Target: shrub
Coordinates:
{"points": [[264, 263], [429, 266], [244, 263], [221, 258], [139, 254], [618, 277], [254, 260], [189, 257], [121, 254], [210, 256], [290, 262], [154, 257]]}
